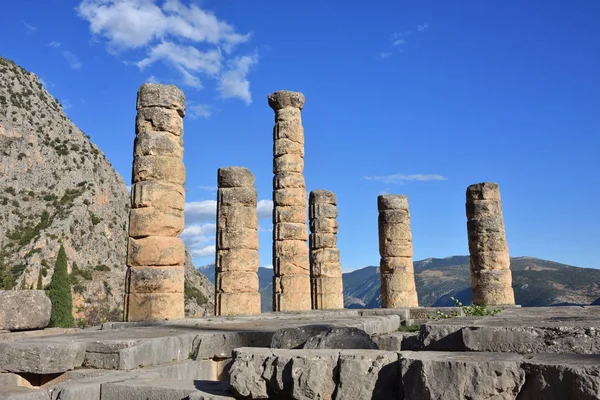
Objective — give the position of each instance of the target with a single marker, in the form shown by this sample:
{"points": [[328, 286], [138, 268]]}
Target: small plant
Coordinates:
{"points": [[469, 311], [409, 328], [102, 267]]}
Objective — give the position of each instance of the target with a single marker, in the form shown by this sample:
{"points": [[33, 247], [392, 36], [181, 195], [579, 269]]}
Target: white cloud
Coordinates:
{"points": [[383, 55], [200, 211], [400, 178], [199, 111], [268, 266], [234, 82], [398, 42], [152, 79], [55, 44], [422, 27], [206, 251], [66, 104], [171, 32], [264, 209], [30, 28]]}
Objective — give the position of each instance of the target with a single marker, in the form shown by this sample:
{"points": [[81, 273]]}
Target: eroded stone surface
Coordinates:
{"points": [[24, 309]]}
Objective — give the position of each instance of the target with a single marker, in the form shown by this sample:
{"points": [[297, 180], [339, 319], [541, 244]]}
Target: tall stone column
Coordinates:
{"points": [[155, 255], [398, 287], [291, 281], [237, 260], [491, 278], [325, 265]]}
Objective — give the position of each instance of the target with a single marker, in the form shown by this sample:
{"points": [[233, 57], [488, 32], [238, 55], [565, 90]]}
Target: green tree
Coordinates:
{"points": [[39, 282], [59, 292]]}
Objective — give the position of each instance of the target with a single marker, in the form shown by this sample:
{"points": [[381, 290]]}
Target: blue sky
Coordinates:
{"points": [[417, 98]]}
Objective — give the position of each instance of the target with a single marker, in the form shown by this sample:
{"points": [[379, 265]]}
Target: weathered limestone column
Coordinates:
{"points": [[291, 281], [155, 255], [237, 260], [398, 287], [491, 278], [325, 265]]}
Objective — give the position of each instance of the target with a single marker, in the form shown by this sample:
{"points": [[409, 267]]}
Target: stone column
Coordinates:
{"points": [[291, 281], [237, 261], [325, 265], [398, 287], [491, 279], [155, 254]]}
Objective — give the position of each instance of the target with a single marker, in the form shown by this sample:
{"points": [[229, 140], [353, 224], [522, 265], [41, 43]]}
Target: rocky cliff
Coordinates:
{"points": [[57, 186]]}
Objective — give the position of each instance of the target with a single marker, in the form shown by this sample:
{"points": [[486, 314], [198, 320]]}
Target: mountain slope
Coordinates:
{"points": [[536, 282], [56, 187]]}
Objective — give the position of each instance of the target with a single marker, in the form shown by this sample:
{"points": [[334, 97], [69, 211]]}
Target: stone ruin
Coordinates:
{"points": [[521, 353]]}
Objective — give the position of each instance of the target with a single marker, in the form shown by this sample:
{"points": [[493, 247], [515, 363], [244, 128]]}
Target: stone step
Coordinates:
{"points": [[356, 374], [165, 389], [22, 393]]}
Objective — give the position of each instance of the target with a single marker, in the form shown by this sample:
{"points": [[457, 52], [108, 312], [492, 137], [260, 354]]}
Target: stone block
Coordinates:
{"points": [[299, 284], [41, 355], [483, 191], [89, 388], [326, 269], [403, 265], [291, 265], [155, 250], [291, 301], [237, 303], [24, 309], [398, 291], [327, 301], [156, 119], [291, 231], [158, 144], [368, 375], [237, 196], [23, 393], [327, 284], [236, 282], [322, 240], [231, 218], [288, 180], [288, 163], [285, 146], [476, 208], [290, 248], [159, 279], [322, 197], [294, 214], [392, 202], [490, 260], [395, 232], [165, 197], [290, 197], [230, 177], [155, 306], [150, 221], [492, 287], [157, 95], [325, 255], [484, 242], [164, 389], [400, 248], [220, 345], [485, 225], [450, 375], [285, 98], [159, 168], [241, 239], [323, 211], [242, 260], [324, 225], [288, 125]]}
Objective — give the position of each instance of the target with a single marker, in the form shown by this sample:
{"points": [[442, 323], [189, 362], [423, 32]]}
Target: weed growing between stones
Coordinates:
{"points": [[469, 311], [409, 328]]}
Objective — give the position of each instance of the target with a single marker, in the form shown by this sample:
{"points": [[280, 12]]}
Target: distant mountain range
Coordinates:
{"points": [[536, 283]]}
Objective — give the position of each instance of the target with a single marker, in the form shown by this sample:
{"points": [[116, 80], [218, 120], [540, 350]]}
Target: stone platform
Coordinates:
{"points": [[524, 353]]}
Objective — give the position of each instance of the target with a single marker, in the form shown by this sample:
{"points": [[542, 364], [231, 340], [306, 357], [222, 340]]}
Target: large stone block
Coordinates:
{"points": [[295, 214], [159, 168], [484, 208], [291, 301], [293, 283], [490, 260], [483, 191], [392, 202], [288, 180], [288, 163], [323, 240], [237, 196], [327, 301], [399, 248], [149, 221], [286, 146], [289, 126], [297, 265], [156, 119], [326, 269], [155, 306], [155, 250], [242, 260], [156, 279], [322, 197], [237, 282], [327, 284], [368, 375], [237, 303], [325, 255], [157, 95], [494, 223], [491, 241], [41, 356], [230, 177], [165, 197], [290, 197], [23, 393], [291, 231], [290, 248], [286, 98], [158, 144], [390, 265], [24, 309], [323, 211], [395, 232], [241, 239], [398, 291], [398, 216], [232, 218], [324, 225], [492, 287]]}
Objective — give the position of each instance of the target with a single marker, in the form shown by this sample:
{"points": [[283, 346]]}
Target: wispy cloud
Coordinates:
{"points": [[152, 79], [401, 39], [401, 178], [208, 188], [199, 111], [66, 104], [422, 27], [190, 40], [71, 58], [29, 28], [384, 54]]}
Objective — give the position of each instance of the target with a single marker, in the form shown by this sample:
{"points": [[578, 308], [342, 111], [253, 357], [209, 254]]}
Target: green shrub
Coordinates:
{"points": [[193, 293], [469, 311], [59, 293], [95, 219], [102, 267], [40, 285]]}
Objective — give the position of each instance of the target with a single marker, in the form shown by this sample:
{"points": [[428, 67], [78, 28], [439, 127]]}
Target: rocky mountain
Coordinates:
{"points": [[57, 186], [536, 283]]}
